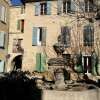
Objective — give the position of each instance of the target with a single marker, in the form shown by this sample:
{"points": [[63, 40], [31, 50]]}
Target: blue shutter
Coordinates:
{"points": [[34, 36], [73, 6], [59, 6], [82, 6], [2, 39], [1, 65], [37, 8], [48, 7]]}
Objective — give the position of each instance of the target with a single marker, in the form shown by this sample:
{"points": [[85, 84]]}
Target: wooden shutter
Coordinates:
{"points": [[37, 8], [73, 6], [88, 35], [65, 34], [1, 65], [38, 62], [44, 36], [18, 24], [2, 39], [59, 6], [43, 63], [0, 11], [86, 31], [34, 36], [3, 13], [48, 7], [82, 6]]}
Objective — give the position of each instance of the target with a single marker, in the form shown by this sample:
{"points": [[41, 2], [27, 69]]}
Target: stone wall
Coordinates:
{"points": [[71, 95]]}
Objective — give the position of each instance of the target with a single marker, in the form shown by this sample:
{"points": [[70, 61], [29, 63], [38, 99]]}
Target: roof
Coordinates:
{"points": [[16, 2], [26, 1]]}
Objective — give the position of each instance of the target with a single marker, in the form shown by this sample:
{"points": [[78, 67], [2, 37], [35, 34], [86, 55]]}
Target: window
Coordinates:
{"points": [[87, 64], [39, 36], [20, 25], [88, 35], [89, 5], [2, 64], [22, 9], [43, 8], [2, 39], [40, 62], [17, 46], [65, 35], [66, 6], [2, 13]]}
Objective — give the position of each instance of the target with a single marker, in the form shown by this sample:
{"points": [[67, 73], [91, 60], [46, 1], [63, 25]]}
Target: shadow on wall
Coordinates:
{"points": [[16, 86]]}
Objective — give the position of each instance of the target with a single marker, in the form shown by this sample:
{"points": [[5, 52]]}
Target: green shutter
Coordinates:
{"points": [[34, 36], [73, 6], [59, 6], [2, 39], [44, 36], [48, 7], [18, 24], [43, 63], [38, 62], [37, 8], [1, 65]]}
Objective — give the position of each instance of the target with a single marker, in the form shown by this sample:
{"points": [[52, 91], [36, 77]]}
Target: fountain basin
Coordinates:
{"points": [[93, 94]]}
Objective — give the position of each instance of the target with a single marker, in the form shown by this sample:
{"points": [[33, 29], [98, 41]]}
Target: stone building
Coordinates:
{"points": [[36, 26], [4, 29]]}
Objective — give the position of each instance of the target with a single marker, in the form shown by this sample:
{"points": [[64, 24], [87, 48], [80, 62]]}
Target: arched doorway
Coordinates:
{"points": [[17, 62]]}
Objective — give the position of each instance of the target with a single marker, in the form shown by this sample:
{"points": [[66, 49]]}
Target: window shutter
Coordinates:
{"points": [[86, 31], [37, 8], [68, 31], [43, 63], [73, 6], [59, 6], [18, 24], [65, 36], [1, 65], [48, 7], [2, 39], [34, 36], [82, 6], [92, 34], [88, 35], [0, 11], [43, 36], [3, 13], [38, 62]]}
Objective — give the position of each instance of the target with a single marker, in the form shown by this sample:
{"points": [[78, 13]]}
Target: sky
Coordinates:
{"points": [[16, 2]]}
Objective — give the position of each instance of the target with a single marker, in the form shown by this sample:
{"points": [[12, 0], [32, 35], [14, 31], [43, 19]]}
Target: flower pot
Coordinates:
{"points": [[94, 70], [98, 69], [78, 68]]}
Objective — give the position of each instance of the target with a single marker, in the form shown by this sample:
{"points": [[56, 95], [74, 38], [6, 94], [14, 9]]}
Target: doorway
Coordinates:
{"points": [[17, 62], [87, 64]]}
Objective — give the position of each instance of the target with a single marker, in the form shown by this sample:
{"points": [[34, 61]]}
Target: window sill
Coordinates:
{"points": [[3, 22]]}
